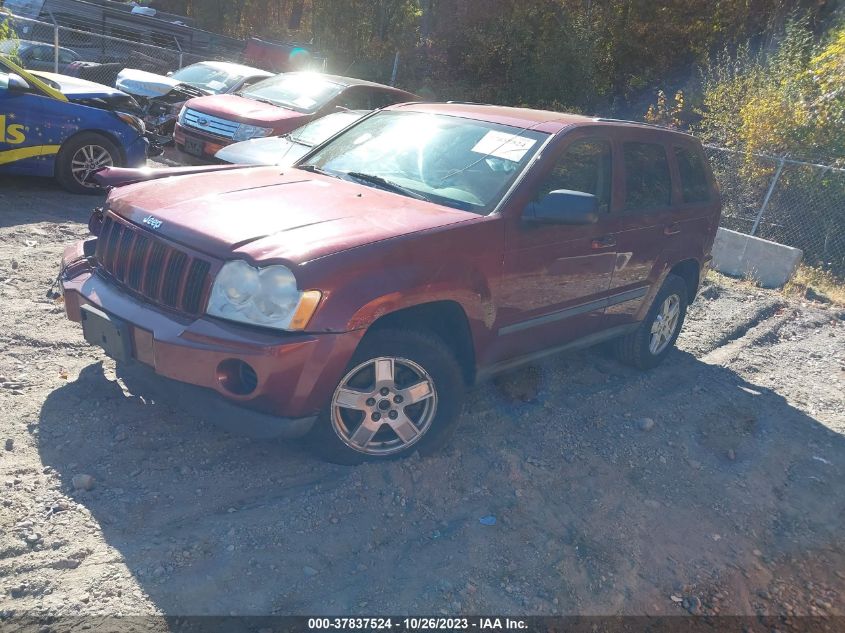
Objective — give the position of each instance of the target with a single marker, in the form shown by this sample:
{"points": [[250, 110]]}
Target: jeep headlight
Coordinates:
{"points": [[181, 116], [246, 132], [265, 296]]}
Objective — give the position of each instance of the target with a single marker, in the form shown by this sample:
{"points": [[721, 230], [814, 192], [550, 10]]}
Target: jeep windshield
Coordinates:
{"points": [[305, 92], [461, 163]]}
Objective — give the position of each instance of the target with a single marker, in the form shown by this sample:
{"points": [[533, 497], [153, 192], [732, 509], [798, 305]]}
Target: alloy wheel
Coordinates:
{"points": [[383, 406], [665, 324], [87, 160]]}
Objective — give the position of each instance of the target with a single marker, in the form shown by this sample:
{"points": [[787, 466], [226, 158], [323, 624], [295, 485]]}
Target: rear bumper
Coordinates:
{"points": [[294, 373]]}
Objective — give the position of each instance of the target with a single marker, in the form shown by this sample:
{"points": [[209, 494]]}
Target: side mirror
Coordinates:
{"points": [[169, 72], [564, 207], [17, 83]]}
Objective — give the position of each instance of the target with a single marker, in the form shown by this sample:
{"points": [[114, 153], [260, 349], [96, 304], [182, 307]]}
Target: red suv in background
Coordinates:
{"points": [[355, 296], [273, 107]]}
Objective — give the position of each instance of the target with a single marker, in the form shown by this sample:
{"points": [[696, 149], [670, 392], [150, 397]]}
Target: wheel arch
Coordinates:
{"points": [[690, 271], [104, 133], [444, 318]]}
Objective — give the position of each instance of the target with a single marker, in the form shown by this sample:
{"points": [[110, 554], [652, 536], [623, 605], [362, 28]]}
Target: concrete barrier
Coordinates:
{"points": [[768, 263]]}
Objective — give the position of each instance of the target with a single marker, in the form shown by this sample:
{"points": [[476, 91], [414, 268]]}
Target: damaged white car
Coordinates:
{"points": [[163, 96]]}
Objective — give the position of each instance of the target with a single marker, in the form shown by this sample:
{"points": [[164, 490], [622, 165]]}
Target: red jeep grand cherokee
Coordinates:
{"points": [[354, 296], [274, 106]]}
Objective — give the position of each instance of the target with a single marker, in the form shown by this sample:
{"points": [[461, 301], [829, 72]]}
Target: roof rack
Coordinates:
{"points": [[643, 123]]}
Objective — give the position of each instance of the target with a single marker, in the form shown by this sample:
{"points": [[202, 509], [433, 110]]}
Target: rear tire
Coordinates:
{"points": [[651, 342], [82, 155], [402, 392]]}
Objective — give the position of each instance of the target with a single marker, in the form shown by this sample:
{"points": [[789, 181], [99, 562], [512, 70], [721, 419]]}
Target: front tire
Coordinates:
{"points": [[401, 392], [651, 342], [80, 157]]}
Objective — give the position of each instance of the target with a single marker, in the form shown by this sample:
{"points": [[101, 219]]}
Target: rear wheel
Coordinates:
{"points": [[80, 157], [401, 392], [650, 343]]}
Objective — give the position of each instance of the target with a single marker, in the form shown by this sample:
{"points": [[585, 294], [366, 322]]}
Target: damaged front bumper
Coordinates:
{"points": [[247, 380]]}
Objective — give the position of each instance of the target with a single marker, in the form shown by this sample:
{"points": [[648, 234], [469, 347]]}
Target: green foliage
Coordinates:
{"points": [[582, 55], [788, 102], [5, 28]]}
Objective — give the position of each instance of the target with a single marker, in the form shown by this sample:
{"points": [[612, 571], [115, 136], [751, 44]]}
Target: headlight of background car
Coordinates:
{"points": [[246, 132], [261, 296], [133, 121]]}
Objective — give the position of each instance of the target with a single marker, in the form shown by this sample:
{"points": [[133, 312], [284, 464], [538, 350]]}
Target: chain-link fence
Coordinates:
{"points": [[95, 56], [790, 202]]}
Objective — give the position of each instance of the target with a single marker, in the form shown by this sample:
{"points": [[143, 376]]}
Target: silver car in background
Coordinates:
{"points": [[286, 150]]}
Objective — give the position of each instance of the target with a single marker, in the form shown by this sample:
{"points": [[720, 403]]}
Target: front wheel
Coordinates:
{"points": [[649, 344], [401, 392], [80, 157]]}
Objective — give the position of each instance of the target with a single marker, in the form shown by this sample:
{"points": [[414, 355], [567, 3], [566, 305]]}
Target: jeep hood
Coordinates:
{"points": [[264, 215]]}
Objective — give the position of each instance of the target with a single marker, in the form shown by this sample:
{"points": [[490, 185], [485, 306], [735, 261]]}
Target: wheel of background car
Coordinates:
{"points": [[649, 344], [82, 155], [401, 392]]}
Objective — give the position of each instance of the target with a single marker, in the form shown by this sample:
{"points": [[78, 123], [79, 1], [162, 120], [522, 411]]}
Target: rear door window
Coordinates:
{"points": [[695, 186], [647, 178]]}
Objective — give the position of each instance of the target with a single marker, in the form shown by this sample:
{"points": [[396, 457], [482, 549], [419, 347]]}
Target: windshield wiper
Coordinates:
{"points": [[260, 100], [387, 184], [316, 170], [297, 140]]}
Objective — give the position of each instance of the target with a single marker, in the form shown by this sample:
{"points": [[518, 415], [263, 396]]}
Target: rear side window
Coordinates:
{"points": [[584, 167], [381, 99], [694, 183], [647, 178]]}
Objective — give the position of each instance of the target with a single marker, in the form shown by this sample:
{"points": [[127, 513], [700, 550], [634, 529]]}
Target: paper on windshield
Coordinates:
{"points": [[216, 85], [503, 145]]}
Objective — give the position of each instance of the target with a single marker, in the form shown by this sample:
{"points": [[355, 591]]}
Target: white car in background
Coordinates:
{"points": [[287, 149], [162, 96]]}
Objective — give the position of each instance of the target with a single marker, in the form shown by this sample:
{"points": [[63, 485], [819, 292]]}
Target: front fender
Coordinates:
{"points": [[461, 264]]}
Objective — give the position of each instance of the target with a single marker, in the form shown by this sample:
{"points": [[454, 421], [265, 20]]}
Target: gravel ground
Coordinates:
{"points": [[712, 484]]}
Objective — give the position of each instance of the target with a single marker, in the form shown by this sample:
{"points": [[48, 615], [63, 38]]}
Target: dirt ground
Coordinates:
{"points": [[713, 484]]}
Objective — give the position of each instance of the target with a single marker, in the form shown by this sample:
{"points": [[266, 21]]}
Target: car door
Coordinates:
{"points": [[647, 222], [20, 149], [555, 277]]}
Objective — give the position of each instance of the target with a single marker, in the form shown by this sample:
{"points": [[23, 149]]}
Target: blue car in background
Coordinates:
{"points": [[66, 127]]}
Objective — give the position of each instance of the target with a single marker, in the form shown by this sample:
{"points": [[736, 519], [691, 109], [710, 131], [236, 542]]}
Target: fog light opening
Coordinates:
{"points": [[237, 377]]}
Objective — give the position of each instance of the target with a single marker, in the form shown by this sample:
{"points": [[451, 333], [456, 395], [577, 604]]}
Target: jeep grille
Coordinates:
{"points": [[152, 268]]}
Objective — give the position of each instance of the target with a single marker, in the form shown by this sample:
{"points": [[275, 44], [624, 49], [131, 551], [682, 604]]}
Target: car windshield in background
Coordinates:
{"points": [[318, 131], [461, 163], [303, 92], [209, 78]]}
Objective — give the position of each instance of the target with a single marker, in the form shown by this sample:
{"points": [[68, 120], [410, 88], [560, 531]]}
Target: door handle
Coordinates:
{"points": [[672, 229], [605, 241]]}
